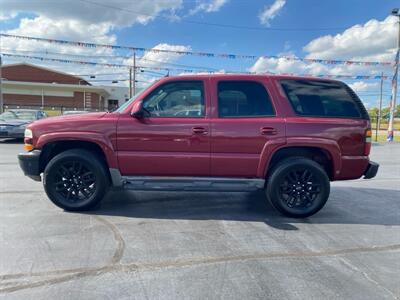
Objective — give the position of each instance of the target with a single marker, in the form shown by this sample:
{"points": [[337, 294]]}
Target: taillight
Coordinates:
{"points": [[368, 140]]}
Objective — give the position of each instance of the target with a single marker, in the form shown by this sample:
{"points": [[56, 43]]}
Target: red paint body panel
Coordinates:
{"points": [[229, 147], [98, 128], [163, 146], [238, 143]]}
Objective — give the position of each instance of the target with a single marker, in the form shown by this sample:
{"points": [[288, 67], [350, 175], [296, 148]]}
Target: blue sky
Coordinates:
{"points": [[168, 24]]}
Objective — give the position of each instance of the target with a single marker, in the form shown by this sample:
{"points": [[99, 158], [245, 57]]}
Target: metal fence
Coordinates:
{"points": [[51, 111]]}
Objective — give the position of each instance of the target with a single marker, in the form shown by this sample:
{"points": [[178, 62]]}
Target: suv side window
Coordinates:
{"points": [[179, 99], [243, 99], [323, 99]]}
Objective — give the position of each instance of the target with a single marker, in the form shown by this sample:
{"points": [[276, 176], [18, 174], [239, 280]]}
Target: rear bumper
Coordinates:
{"points": [[371, 170], [30, 164]]}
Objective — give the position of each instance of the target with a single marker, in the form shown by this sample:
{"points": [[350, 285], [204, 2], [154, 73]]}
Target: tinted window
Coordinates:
{"points": [[183, 99], [243, 99], [322, 98]]}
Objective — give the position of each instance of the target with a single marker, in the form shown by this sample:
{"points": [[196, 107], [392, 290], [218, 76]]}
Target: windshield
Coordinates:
{"points": [[127, 103], [18, 114]]}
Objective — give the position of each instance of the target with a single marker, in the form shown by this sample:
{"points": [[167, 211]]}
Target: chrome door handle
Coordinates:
{"points": [[268, 131], [199, 130]]}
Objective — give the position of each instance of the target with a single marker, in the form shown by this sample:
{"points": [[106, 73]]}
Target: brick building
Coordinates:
{"points": [[27, 85]]}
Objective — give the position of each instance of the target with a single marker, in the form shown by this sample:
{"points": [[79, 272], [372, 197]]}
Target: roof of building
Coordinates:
{"points": [[34, 73]]}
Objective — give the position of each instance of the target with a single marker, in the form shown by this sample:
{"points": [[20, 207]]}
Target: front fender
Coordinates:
{"points": [[102, 141]]}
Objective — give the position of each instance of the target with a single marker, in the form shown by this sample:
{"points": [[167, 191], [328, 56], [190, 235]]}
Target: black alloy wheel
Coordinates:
{"points": [[75, 180], [298, 187]]}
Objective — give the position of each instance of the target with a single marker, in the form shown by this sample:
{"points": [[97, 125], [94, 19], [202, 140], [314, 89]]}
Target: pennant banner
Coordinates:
{"points": [[203, 54], [68, 61]]}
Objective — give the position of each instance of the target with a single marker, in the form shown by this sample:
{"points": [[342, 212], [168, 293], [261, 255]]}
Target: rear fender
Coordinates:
{"points": [[330, 146]]}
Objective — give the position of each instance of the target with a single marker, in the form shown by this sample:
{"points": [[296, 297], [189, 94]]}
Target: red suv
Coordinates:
{"points": [[288, 135]]}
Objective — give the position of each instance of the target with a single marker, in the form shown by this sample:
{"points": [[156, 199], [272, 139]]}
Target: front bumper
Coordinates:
{"points": [[371, 170], [30, 164]]}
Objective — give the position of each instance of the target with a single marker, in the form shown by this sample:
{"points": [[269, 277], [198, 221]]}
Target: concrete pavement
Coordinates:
{"points": [[201, 245]]}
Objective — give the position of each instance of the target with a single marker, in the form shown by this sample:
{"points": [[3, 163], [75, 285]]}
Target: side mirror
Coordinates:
{"points": [[139, 112]]}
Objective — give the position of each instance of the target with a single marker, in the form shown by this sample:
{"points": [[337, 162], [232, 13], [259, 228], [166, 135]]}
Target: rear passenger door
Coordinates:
{"points": [[242, 124]]}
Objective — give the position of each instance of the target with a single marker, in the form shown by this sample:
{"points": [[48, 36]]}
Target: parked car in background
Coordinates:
{"points": [[74, 112], [13, 122], [287, 135]]}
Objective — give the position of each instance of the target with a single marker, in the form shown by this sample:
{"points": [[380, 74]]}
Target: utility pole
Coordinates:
{"points": [[130, 82], [395, 12], [134, 74], [1, 83], [378, 121]]}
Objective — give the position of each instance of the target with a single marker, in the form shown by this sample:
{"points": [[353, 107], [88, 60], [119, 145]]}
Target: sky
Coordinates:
{"points": [[331, 29]]}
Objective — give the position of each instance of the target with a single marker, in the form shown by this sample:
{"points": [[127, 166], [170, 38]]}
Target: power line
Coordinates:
{"points": [[195, 53], [89, 63], [110, 56], [232, 26]]}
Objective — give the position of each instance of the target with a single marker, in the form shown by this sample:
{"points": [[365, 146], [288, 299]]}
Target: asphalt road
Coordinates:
{"points": [[148, 245]]}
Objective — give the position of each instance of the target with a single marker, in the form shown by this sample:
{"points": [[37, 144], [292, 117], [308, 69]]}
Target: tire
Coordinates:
{"points": [[75, 180], [298, 187]]}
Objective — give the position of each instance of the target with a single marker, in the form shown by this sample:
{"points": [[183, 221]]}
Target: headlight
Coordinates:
{"points": [[28, 133]]}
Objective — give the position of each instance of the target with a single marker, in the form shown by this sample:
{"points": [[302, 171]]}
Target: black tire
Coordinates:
{"points": [[75, 180], [298, 187]]}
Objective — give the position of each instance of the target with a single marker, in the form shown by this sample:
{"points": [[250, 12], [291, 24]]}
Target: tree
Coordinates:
{"points": [[373, 112]]}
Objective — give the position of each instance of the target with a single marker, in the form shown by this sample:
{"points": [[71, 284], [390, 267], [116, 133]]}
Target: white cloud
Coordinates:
{"points": [[4, 16], [151, 59], [119, 13], [208, 6], [67, 29], [270, 12], [362, 86], [282, 65], [43, 26], [375, 40], [80, 21], [156, 59]]}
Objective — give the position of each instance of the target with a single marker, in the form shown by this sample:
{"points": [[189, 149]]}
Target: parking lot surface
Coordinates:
{"points": [[156, 245]]}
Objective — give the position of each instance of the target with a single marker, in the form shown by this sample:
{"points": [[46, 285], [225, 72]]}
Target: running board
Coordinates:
{"points": [[149, 183]]}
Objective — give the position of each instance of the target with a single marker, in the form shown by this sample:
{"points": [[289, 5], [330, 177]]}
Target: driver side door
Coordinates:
{"points": [[173, 139]]}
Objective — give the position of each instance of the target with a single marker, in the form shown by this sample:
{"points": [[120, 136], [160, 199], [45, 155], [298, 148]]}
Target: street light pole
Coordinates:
{"points": [[395, 12], [1, 88], [1, 83], [134, 74], [378, 121]]}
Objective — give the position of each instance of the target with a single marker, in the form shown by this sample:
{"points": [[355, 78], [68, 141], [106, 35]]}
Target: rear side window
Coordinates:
{"points": [[323, 99], [243, 99]]}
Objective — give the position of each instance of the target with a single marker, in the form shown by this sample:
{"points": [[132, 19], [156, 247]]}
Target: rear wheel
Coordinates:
{"points": [[75, 180], [298, 187]]}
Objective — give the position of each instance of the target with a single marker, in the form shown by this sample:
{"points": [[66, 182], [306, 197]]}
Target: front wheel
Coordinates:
{"points": [[298, 187], [75, 180]]}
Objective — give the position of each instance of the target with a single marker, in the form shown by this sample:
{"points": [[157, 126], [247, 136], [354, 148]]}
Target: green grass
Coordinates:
{"points": [[382, 137], [384, 126]]}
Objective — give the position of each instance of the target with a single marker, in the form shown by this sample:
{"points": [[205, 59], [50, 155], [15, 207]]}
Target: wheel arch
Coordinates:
{"points": [[325, 157], [57, 146]]}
